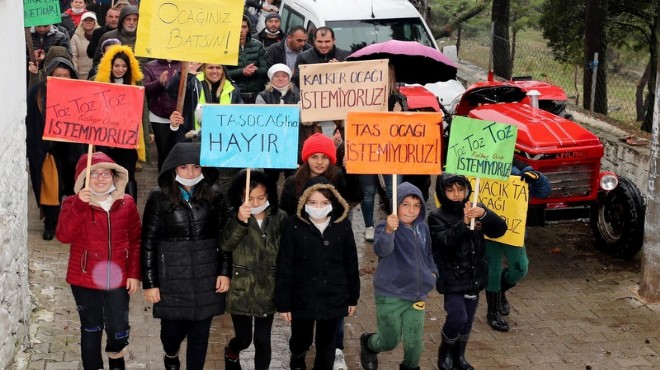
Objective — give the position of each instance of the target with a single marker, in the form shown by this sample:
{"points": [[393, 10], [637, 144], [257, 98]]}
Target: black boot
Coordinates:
{"points": [[368, 357], [505, 309], [401, 367], [116, 363], [445, 351], [232, 360], [297, 362], [459, 353], [494, 319], [172, 362], [132, 190]]}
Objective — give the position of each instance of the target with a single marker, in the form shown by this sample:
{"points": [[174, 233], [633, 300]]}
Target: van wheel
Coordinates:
{"points": [[617, 220]]}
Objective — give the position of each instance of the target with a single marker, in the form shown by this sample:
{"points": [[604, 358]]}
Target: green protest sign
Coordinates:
{"points": [[41, 12], [480, 148]]}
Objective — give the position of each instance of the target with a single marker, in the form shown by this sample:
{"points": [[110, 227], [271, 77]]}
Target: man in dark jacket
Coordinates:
{"points": [[272, 33], [111, 23], [324, 51], [287, 50], [250, 73], [126, 31], [45, 37]]}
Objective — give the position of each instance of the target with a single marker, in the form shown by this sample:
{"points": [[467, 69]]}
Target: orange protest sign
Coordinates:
{"points": [[404, 143], [93, 112]]}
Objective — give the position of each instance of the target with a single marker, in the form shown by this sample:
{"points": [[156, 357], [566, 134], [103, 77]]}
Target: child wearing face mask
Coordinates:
{"points": [[103, 226], [184, 274], [317, 282], [253, 238]]}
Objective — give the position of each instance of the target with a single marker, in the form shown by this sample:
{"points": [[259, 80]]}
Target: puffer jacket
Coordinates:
{"points": [[459, 252], [406, 269], [271, 95], [252, 52], [254, 251], [105, 245], [317, 273], [180, 255]]}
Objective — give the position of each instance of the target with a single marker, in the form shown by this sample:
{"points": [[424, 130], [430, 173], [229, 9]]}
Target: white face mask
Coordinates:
{"points": [[318, 213], [189, 182], [261, 208], [110, 190]]}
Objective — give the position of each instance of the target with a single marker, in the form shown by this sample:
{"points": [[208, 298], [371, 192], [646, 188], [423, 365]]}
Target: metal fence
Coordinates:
{"points": [[536, 60]]}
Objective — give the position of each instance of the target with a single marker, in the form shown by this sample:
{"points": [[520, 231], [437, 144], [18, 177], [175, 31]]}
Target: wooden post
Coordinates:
{"points": [[181, 96]]}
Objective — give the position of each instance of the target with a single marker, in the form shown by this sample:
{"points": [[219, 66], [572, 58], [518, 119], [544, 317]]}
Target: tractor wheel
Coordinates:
{"points": [[617, 220]]}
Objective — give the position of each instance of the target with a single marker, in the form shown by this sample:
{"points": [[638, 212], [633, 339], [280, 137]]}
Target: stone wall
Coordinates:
{"points": [[14, 290]]}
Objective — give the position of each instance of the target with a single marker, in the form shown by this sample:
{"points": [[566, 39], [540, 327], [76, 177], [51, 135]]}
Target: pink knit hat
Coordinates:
{"points": [[319, 143]]}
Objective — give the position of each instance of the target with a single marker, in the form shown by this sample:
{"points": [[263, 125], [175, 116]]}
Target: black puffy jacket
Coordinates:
{"points": [[180, 252], [459, 252]]}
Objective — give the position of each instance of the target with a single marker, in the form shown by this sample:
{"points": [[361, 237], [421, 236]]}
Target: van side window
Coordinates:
{"points": [[290, 18], [311, 32]]}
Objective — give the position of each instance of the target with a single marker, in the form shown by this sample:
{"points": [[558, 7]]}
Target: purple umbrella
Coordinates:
{"points": [[413, 62]]}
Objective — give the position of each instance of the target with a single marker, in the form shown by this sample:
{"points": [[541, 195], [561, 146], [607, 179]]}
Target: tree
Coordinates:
{"points": [[502, 65], [524, 14], [595, 41], [460, 12]]}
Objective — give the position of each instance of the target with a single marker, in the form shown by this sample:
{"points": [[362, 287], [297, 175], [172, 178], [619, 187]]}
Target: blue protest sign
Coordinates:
{"points": [[250, 136]]}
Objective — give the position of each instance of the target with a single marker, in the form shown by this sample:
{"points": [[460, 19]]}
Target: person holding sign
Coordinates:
{"points": [[461, 258], [102, 224], [184, 274], [253, 238], [405, 275], [119, 65], [501, 280], [318, 281], [51, 163]]}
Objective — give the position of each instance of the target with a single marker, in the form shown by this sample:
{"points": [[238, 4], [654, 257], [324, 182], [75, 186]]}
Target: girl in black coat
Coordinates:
{"points": [[184, 273], [317, 281], [460, 254]]}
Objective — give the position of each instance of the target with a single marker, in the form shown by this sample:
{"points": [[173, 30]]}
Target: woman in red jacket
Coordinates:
{"points": [[103, 226]]}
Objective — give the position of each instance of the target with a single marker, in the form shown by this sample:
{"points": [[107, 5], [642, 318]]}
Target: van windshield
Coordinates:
{"points": [[356, 34]]}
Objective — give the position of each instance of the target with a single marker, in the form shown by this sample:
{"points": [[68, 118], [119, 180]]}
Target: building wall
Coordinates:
{"points": [[14, 290]]}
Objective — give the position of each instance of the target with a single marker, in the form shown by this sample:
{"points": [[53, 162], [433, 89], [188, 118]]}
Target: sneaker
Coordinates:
{"points": [[369, 234], [339, 364]]}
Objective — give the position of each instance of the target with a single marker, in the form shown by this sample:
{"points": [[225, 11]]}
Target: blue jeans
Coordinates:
{"points": [[460, 314], [98, 309], [369, 188]]}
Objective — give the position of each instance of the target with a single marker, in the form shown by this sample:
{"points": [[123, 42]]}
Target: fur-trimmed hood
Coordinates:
{"points": [[104, 73], [340, 207], [100, 159]]}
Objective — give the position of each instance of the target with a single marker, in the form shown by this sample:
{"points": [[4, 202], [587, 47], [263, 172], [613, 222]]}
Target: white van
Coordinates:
{"points": [[358, 23]]}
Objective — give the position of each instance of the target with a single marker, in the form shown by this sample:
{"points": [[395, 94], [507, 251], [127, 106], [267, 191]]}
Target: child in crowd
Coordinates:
{"points": [[406, 273], [103, 226], [461, 258], [318, 282], [253, 238]]}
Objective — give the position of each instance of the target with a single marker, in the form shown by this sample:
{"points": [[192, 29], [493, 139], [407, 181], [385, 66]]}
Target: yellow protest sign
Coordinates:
{"points": [[393, 142], [329, 90], [509, 200], [190, 30]]}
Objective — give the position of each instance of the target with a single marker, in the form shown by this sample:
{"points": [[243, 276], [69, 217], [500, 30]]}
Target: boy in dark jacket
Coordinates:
{"points": [[405, 274], [461, 257]]}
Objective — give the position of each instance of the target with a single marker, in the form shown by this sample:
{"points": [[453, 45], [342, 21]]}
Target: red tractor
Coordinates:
{"points": [[568, 154]]}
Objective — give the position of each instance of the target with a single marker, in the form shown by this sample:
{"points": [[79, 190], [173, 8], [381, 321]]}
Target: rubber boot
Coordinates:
{"points": [[232, 360], [368, 357], [493, 316], [297, 362], [132, 189], [445, 352], [172, 362], [505, 309], [401, 367], [459, 353], [116, 364]]}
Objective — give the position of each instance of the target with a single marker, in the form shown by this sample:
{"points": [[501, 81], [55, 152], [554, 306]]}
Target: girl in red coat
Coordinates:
{"points": [[103, 226]]}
